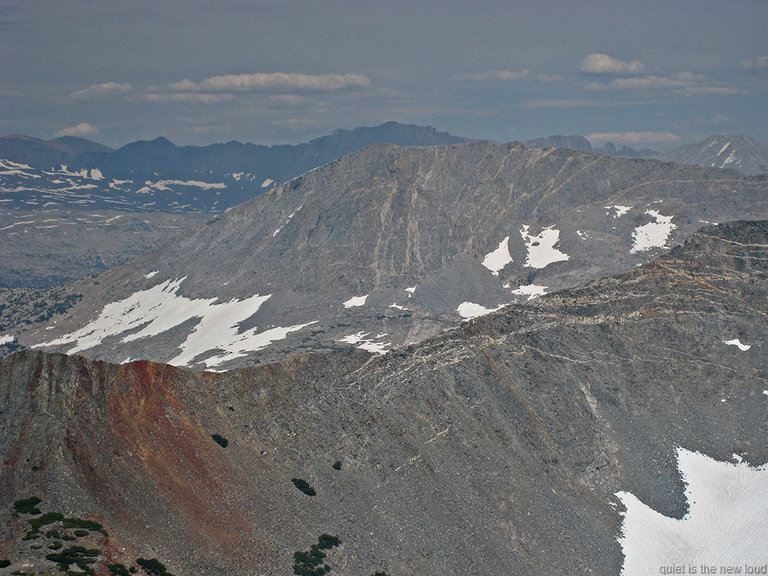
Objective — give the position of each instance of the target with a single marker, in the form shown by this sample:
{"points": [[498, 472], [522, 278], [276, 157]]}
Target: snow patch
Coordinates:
{"points": [[726, 523], [582, 235], [740, 345], [398, 307], [159, 309], [496, 260], [530, 290], [468, 310], [268, 182], [541, 248], [367, 344], [356, 301], [654, 234], [152, 274], [7, 339], [618, 210], [723, 148]]}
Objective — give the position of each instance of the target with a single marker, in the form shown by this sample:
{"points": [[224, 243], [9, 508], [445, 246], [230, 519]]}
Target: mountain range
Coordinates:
{"points": [[529, 441], [381, 248], [70, 207]]}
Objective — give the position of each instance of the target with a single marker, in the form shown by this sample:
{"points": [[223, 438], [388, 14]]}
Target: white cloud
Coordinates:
{"points": [[718, 119], [82, 129], [682, 82], [632, 137], [508, 76], [755, 64], [105, 90], [188, 97], [563, 103], [494, 76], [273, 81], [603, 64]]}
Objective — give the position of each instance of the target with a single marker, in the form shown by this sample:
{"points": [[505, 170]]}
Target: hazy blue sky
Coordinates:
{"points": [[648, 73]]}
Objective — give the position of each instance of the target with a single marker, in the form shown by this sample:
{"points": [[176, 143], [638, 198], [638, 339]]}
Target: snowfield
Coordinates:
{"points": [[541, 248], [654, 234], [151, 312], [726, 524]]}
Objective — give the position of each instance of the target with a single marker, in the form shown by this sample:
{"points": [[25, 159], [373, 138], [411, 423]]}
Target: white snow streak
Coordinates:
{"points": [[152, 274], [267, 182], [654, 234], [158, 309], [541, 248], [7, 339], [726, 523], [496, 260], [740, 345]]}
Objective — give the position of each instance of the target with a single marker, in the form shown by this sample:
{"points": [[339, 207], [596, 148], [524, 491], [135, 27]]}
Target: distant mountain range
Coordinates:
{"points": [[158, 176], [388, 246], [739, 152], [70, 207], [736, 152]]}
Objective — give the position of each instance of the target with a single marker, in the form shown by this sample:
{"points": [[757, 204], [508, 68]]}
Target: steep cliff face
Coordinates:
{"points": [[389, 246], [497, 447]]}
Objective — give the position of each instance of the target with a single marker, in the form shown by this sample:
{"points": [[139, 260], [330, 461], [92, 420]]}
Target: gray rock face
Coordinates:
{"points": [[735, 152], [497, 447], [70, 207], [389, 246]]}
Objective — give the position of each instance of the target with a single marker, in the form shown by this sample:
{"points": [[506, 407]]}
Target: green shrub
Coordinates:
{"points": [[78, 555], [337, 465], [47, 518], [153, 567], [311, 562], [220, 440], [27, 505], [52, 534], [326, 541], [56, 545], [118, 569], [304, 486], [84, 524], [4, 563]]}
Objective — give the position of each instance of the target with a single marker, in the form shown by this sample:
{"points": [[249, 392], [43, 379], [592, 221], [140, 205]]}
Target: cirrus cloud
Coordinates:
{"points": [[104, 90], [598, 63], [633, 137], [82, 129], [686, 83], [273, 81]]}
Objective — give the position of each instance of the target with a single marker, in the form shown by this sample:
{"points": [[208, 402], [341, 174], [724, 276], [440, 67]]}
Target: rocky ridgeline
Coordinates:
{"points": [[389, 246], [496, 447]]}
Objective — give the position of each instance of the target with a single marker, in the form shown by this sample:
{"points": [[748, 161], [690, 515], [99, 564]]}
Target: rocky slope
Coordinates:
{"points": [[70, 207], [389, 246], [497, 447], [735, 152]]}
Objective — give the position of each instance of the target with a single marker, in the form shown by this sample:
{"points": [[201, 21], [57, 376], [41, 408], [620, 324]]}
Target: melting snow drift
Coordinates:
{"points": [[468, 310], [496, 260], [654, 234], [356, 301], [541, 248], [160, 308], [726, 524]]}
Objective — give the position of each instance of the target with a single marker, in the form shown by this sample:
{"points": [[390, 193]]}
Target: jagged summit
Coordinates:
{"points": [[389, 246]]}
